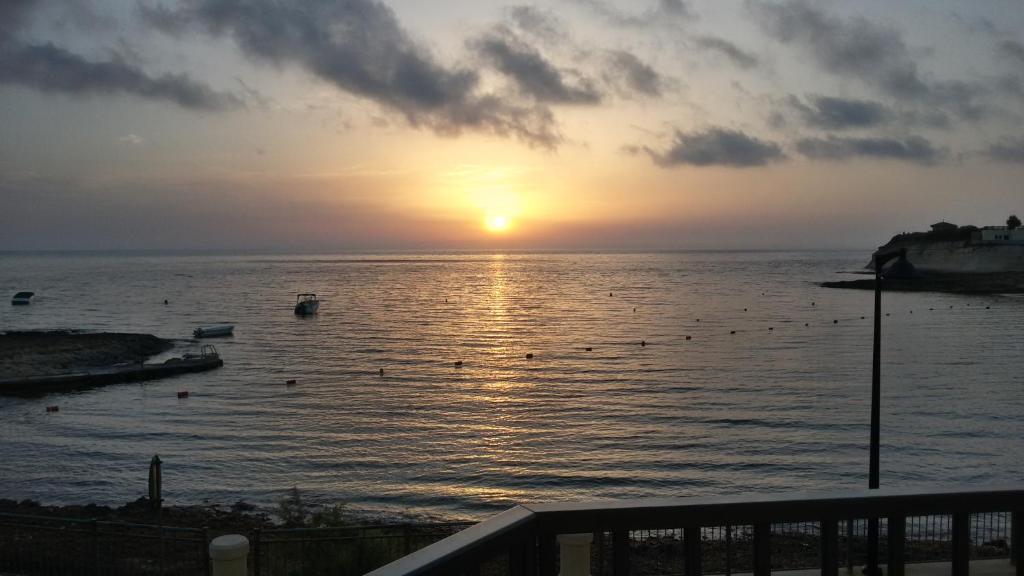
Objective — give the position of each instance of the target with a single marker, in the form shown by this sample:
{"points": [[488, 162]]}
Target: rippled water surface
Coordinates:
{"points": [[780, 405]]}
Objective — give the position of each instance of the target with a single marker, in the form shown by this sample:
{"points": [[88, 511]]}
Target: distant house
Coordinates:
{"points": [[1000, 235], [944, 227]]}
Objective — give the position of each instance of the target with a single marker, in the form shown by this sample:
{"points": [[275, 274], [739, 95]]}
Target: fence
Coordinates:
{"points": [[758, 534], [47, 545], [43, 545]]}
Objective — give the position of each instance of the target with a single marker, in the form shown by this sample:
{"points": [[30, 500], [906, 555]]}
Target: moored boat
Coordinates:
{"points": [[214, 331], [22, 299], [306, 304]]}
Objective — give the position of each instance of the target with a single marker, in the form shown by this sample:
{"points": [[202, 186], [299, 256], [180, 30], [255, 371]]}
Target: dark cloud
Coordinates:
{"points": [[360, 47], [738, 56], [1011, 50], [833, 113], [537, 22], [664, 12], [872, 52], [533, 74], [1009, 150], [716, 146], [51, 68], [914, 149], [628, 71]]}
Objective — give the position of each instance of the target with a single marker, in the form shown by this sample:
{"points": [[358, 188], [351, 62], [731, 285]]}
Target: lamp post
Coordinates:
{"points": [[904, 270]]}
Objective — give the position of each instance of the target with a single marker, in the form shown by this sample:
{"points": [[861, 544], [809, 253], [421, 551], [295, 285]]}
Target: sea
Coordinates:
{"points": [[652, 375]]}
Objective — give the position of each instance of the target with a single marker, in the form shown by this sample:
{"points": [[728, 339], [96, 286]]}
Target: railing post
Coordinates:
{"points": [[620, 553], [546, 548], [762, 549], [95, 546], [1017, 542], [257, 551], [829, 547], [849, 545], [229, 554], [574, 551], [897, 542], [961, 543], [203, 549], [522, 558], [691, 542]]}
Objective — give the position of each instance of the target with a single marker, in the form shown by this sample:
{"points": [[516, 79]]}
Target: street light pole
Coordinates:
{"points": [[871, 569]]}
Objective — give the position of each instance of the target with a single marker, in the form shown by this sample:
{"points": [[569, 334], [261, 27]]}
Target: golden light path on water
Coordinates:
{"points": [[697, 410]]}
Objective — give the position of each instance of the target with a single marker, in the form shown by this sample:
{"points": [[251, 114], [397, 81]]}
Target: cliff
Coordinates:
{"points": [[956, 251]]}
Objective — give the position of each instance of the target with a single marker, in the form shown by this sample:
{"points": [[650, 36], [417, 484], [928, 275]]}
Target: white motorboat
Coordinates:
{"points": [[214, 331], [22, 299], [306, 304]]}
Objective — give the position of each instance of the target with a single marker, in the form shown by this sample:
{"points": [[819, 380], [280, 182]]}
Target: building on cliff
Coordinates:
{"points": [[949, 248]]}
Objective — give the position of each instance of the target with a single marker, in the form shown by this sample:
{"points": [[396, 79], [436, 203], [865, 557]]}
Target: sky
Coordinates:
{"points": [[455, 124]]}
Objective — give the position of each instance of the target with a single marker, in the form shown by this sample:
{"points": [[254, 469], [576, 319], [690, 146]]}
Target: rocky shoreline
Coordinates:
{"points": [[975, 283], [32, 354]]}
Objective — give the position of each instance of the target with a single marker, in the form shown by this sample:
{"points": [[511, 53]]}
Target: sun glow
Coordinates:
{"points": [[497, 223]]}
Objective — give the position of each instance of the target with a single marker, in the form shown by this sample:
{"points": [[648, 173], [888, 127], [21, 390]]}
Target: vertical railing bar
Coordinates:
{"points": [[829, 547], [762, 549], [1017, 541], [691, 544], [620, 553], [849, 544], [961, 543], [547, 548], [728, 550], [897, 544]]}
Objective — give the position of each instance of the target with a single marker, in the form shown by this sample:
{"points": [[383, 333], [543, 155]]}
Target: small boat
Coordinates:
{"points": [[306, 304], [214, 331], [22, 299]]}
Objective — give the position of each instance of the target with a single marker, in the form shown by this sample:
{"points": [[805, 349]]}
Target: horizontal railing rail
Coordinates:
{"points": [[525, 536]]}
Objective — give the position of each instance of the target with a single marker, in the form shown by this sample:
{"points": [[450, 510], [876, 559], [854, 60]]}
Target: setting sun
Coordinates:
{"points": [[497, 223]]}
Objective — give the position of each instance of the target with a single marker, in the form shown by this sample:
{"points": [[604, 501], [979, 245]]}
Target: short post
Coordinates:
{"points": [[229, 555], [574, 552]]}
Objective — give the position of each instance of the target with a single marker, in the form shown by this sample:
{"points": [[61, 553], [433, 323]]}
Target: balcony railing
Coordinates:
{"points": [[550, 539]]}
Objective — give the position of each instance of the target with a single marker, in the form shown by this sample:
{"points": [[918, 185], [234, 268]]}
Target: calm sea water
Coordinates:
{"points": [[755, 411]]}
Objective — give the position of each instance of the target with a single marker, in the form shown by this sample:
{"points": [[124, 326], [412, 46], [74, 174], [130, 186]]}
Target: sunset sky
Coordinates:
{"points": [[571, 124]]}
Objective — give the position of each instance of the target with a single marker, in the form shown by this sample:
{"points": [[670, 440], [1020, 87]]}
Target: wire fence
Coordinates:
{"points": [[35, 545]]}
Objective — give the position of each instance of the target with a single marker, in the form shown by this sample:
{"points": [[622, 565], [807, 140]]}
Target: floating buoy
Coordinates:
{"points": [[986, 307], [458, 363], [861, 317], [931, 309], [445, 300], [688, 337], [165, 302], [290, 382], [529, 355], [950, 306], [53, 408], [381, 372], [698, 319], [182, 393], [732, 331], [588, 349], [770, 328], [812, 303], [643, 343], [806, 324], [835, 321], [609, 293], [634, 310], [886, 313], [911, 311]]}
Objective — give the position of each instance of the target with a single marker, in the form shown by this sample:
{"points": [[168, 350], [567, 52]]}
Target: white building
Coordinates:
{"points": [[1001, 235]]}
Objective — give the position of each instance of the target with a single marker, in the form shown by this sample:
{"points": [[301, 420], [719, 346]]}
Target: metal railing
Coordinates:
{"points": [[755, 533], [341, 550], [72, 546]]}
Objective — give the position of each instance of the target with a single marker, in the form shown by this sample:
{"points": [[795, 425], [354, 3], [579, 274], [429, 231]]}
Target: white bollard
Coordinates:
{"points": [[229, 555], [574, 550]]}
